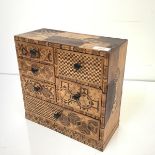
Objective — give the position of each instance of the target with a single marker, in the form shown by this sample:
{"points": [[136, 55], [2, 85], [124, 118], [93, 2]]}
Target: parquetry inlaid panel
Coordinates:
{"points": [[82, 68], [78, 97], [79, 123], [63, 117], [42, 108], [34, 52], [38, 89], [72, 83], [37, 70]]}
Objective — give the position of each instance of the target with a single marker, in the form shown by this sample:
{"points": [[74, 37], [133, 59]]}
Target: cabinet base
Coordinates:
{"points": [[97, 144]]}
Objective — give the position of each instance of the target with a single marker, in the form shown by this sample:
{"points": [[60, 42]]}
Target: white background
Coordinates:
{"points": [[130, 19]]}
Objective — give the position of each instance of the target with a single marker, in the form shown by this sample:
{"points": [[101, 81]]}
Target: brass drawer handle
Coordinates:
{"points": [[34, 70], [57, 115], [76, 96], [34, 53], [77, 66], [37, 88]]}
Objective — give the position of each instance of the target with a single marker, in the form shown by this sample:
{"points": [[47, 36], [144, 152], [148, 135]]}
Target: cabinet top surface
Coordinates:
{"points": [[74, 39]]}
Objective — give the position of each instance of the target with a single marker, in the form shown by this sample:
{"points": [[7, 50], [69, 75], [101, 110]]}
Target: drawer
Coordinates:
{"points": [[63, 118], [78, 67], [80, 98], [37, 70], [34, 52], [38, 89]]}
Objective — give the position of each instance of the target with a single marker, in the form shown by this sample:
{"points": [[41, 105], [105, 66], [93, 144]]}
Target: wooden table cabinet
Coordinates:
{"points": [[72, 83]]}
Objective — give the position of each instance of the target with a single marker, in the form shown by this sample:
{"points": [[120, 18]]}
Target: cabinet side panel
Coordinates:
{"points": [[115, 81]]}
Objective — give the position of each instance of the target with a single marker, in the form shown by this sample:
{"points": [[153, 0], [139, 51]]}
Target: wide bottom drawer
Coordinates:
{"points": [[62, 117]]}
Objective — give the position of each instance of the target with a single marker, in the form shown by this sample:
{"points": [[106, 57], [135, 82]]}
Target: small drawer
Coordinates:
{"points": [[80, 98], [37, 70], [38, 89], [82, 68], [63, 118], [34, 52]]}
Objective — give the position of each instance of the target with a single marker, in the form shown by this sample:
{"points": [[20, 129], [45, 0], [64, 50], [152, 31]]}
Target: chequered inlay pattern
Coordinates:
{"points": [[71, 120], [90, 71], [41, 108], [98, 144]]}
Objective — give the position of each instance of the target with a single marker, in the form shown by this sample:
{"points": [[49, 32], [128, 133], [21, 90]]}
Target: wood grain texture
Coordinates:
{"points": [[115, 79], [37, 70], [81, 98], [34, 52], [63, 118], [114, 94], [72, 39], [90, 71], [38, 89], [72, 83]]}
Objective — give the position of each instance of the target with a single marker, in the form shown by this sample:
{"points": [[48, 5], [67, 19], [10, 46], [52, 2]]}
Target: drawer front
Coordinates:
{"points": [[80, 98], [82, 68], [37, 70], [63, 118], [38, 89], [34, 52]]}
